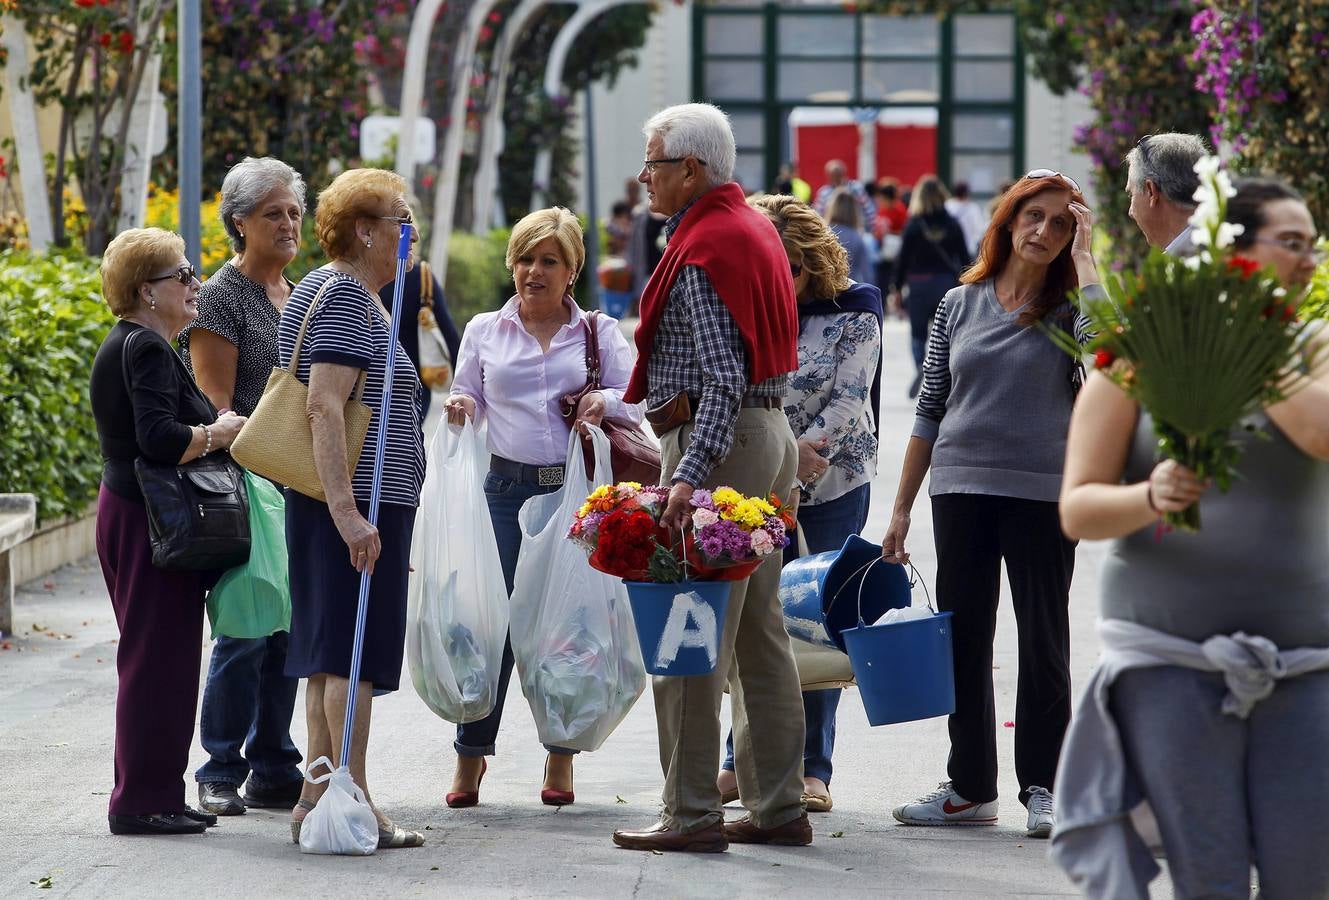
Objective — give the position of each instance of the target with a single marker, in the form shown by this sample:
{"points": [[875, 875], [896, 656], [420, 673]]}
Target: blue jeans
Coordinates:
{"points": [[247, 706], [505, 497], [825, 527]]}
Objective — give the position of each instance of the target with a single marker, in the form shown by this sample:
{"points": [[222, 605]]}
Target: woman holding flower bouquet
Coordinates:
{"points": [[991, 427], [832, 403], [513, 368], [1214, 681]]}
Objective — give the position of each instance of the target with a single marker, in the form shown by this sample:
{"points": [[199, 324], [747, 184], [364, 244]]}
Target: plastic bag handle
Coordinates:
{"points": [[321, 761]]}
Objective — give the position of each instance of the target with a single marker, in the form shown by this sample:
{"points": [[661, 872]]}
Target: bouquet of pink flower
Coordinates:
{"points": [[731, 535]]}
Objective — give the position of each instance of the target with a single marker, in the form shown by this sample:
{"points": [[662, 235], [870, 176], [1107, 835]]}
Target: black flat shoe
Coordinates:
{"points": [[169, 823], [220, 799], [283, 797], [207, 819]]}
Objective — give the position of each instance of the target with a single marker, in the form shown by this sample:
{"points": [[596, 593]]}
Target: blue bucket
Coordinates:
{"points": [[615, 303], [818, 591], [680, 626], [905, 670]]}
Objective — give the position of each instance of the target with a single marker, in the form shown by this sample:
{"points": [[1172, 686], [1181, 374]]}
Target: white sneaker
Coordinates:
{"points": [[1040, 813], [945, 807]]}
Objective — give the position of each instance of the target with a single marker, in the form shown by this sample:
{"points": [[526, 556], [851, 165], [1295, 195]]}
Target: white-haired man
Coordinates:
{"points": [[717, 339], [1161, 180]]}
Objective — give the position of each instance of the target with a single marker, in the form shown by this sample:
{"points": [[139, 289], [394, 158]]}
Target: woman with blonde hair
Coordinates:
{"points": [[933, 253], [358, 222], [145, 404], [832, 405], [513, 367]]}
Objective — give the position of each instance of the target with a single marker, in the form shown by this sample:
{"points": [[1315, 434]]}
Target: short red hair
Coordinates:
{"points": [[995, 249]]}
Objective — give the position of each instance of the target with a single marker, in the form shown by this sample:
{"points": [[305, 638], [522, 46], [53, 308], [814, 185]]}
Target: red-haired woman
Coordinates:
{"points": [[991, 426]]}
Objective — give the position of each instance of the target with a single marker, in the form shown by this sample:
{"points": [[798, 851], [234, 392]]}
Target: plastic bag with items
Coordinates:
{"points": [[342, 822], [572, 633], [457, 612]]}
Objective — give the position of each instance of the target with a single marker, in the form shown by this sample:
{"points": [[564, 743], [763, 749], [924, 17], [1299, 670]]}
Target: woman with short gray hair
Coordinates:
{"points": [[231, 349]]}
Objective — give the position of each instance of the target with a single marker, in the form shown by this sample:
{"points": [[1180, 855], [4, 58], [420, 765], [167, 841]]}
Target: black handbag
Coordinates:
{"points": [[198, 512]]}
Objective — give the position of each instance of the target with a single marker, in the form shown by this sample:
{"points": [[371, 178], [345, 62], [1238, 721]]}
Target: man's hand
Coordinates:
{"points": [[678, 511]]}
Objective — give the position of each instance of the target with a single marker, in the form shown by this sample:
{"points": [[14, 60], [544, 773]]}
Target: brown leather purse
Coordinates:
{"points": [[632, 455]]}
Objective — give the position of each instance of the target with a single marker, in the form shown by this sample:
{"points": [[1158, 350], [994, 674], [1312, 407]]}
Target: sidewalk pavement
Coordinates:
{"points": [[57, 694]]}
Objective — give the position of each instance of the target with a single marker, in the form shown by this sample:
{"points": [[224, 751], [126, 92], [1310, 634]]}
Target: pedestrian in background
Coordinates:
{"points": [[837, 177], [231, 349], [991, 430], [424, 312], [146, 404], [932, 257], [969, 213], [846, 222]]}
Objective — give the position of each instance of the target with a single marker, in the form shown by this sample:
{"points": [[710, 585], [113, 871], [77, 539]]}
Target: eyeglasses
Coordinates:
{"points": [[1298, 246], [796, 269], [1143, 146], [1052, 173], [399, 220], [650, 165], [185, 275]]}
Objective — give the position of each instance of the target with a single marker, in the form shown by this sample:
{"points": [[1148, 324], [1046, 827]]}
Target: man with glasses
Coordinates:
{"points": [[1162, 182], [718, 337]]}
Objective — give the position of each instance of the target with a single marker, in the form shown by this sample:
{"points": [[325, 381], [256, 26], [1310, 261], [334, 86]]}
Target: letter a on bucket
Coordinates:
{"points": [[677, 634]]}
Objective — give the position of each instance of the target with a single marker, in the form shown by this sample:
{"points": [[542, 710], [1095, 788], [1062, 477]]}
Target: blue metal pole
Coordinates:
{"points": [[376, 491], [190, 128]]}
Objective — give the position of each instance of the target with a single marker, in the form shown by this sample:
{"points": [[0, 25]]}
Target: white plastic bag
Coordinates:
{"points": [[572, 633], [342, 821], [457, 612]]}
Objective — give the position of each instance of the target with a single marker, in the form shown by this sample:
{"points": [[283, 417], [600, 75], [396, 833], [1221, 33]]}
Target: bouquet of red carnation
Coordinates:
{"points": [[1199, 343], [731, 534]]}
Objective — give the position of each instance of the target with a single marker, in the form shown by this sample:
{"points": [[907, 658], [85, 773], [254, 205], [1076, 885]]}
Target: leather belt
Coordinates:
{"points": [[544, 476], [748, 402]]}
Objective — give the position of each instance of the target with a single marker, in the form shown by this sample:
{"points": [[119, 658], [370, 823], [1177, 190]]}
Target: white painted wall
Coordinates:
{"points": [[663, 77], [1050, 123]]}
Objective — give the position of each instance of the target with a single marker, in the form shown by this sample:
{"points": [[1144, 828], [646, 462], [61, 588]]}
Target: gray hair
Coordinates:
{"points": [[245, 186], [1168, 160], [700, 130]]}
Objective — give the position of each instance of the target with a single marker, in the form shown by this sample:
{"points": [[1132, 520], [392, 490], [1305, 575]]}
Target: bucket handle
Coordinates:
{"points": [[914, 579]]}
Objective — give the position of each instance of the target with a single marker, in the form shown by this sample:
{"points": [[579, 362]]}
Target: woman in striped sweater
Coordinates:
{"points": [[991, 429]]}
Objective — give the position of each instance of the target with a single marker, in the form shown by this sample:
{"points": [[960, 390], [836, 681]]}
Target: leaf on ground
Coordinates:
{"points": [[837, 834], [619, 799], [433, 868], [655, 852], [45, 882], [776, 865]]}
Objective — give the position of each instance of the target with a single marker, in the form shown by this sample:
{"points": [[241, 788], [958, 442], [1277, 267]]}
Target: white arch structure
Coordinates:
{"points": [[27, 140], [417, 57], [587, 11]]}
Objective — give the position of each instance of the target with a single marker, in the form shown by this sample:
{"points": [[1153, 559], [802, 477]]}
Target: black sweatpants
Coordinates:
{"points": [[974, 534]]}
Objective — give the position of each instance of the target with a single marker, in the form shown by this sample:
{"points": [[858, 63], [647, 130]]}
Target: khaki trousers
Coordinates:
{"points": [[755, 660]]}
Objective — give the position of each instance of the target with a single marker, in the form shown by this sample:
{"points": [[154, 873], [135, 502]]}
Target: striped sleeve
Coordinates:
{"points": [[1083, 327], [936, 387], [339, 328]]}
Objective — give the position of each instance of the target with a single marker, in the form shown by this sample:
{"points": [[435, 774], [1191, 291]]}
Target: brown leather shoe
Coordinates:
{"points": [[710, 839], [794, 833]]}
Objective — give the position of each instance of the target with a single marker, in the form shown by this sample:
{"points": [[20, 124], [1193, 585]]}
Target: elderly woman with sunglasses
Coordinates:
{"points": [[1224, 770], [231, 348], [991, 429], [358, 226], [145, 403]]}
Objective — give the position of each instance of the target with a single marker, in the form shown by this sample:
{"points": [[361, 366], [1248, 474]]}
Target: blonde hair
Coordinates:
{"points": [[133, 257], [354, 194], [929, 196], [843, 209], [824, 259], [554, 222]]}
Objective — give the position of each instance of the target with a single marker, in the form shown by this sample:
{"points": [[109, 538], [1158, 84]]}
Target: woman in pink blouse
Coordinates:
{"points": [[513, 367]]}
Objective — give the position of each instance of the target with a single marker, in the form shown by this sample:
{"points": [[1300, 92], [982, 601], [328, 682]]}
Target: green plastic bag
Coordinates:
{"points": [[253, 600]]}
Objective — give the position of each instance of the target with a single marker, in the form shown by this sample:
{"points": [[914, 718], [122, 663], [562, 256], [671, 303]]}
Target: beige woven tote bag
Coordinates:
{"points": [[277, 441]]}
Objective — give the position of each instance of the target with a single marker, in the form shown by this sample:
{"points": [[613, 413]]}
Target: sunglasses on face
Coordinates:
{"points": [[796, 269], [1052, 173], [185, 275]]}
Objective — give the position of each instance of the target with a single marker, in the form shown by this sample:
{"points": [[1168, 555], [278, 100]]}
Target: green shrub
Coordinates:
{"points": [[478, 281], [1316, 303], [52, 320]]}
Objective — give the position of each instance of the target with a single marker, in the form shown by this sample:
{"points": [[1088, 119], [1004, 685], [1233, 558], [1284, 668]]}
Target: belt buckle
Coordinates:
{"points": [[549, 476]]}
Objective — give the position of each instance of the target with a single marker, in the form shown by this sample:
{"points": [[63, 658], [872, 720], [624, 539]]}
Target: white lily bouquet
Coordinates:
{"points": [[1200, 342]]}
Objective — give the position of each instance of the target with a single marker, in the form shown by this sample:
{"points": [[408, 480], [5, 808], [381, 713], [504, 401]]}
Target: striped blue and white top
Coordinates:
{"points": [[349, 328]]}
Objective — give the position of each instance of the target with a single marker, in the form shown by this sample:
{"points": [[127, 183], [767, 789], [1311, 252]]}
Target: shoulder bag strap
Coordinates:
{"points": [[591, 324], [426, 285], [304, 325]]}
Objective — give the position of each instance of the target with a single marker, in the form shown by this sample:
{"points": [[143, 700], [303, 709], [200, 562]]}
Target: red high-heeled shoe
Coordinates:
{"points": [[551, 797], [463, 799]]}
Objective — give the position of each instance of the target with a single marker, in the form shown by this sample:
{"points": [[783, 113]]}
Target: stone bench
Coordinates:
{"points": [[18, 517]]}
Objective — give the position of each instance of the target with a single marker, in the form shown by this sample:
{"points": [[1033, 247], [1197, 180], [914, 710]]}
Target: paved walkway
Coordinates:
{"points": [[57, 691]]}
